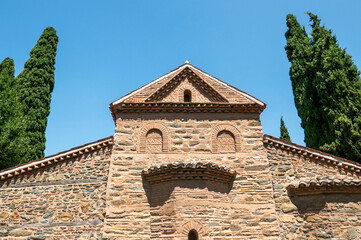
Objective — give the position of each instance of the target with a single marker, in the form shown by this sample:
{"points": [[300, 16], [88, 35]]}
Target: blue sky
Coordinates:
{"points": [[109, 48]]}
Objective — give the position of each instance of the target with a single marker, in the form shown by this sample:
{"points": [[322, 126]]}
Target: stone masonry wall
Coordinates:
{"points": [[62, 201], [246, 211], [193, 133], [324, 216]]}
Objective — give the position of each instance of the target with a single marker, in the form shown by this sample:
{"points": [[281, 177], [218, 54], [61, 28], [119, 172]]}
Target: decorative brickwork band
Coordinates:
{"points": [[222, 139], [150, 137], [192, 107], [189, 171]]}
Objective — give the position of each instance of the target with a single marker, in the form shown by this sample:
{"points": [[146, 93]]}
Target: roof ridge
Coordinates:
{"points": [[321, 157], [75, 151]]}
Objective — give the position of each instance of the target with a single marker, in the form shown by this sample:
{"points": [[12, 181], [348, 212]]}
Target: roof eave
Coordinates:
{"points": [[316, 155], [52, 159]]}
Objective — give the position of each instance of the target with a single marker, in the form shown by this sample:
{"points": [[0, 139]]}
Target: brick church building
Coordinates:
{"points": [[188, 161]]}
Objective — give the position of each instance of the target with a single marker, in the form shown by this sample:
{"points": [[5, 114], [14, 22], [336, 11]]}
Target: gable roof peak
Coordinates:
{"points": [[222, 90], [186, 74], [197, 71]]}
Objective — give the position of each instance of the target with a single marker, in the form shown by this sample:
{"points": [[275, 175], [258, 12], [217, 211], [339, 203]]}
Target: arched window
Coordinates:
{"points": [[193, 235], [226, 142], [154, 141], [187, 96]]}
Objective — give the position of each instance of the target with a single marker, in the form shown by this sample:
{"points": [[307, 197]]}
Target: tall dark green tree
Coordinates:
{"points": [[284, 132], [327, 89], [35, 85], [299, 53], [11, 121], [338, 86]]}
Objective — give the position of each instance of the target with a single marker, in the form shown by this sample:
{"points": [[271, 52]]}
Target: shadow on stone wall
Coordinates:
{"points": [[317, 203], [158, 194]]}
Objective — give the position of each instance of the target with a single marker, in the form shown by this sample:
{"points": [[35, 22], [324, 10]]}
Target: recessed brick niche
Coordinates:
{"points": [[186, 178]]}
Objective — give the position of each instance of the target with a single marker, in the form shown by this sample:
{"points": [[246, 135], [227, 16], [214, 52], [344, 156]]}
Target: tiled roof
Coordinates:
{"points": [[312, 154], [336, 184], [189, 171], [59, 157]]}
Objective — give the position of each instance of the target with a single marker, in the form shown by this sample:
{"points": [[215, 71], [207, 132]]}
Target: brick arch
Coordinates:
{"points": [[190, 225], [189, 87], [231, 129], [146, 129]]}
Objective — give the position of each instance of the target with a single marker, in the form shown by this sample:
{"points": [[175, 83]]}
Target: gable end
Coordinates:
{"points": [[189, 74]]}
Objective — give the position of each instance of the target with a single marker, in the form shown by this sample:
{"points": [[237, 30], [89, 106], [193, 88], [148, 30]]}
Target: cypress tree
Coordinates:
{"points": [[35, 85], [11, 122], [284, 132], [338, 87], [327, 89], [299, 53]]}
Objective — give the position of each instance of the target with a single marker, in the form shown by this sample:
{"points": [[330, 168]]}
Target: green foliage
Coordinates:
{"points": [[327, 89], [35, 84], [299, 53], [11, 122], [25, 103], [284, 132]]}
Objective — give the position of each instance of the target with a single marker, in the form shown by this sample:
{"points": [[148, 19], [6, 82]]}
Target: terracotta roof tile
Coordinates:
{"points": [[325, 184], [312, 154], [52, 159]]}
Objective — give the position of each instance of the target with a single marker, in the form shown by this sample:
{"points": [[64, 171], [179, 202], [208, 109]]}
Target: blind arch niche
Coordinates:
{"points": [[226, 142], [225, 133], [153, 134], [154, 141]]}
